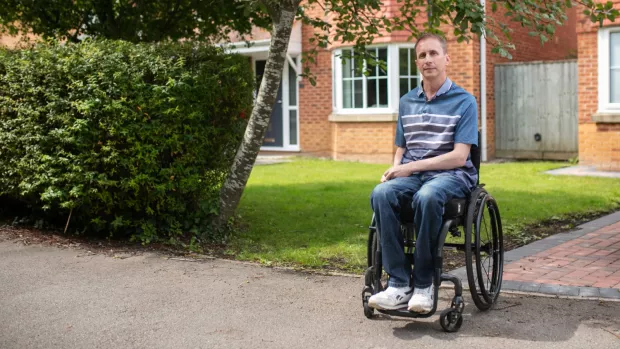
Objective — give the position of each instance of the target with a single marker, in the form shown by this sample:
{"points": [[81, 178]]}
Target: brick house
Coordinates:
{"points": [[599, 93], [349, 117]]}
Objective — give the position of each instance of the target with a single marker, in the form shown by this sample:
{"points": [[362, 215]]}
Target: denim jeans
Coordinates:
{"points": [[424, 197]]}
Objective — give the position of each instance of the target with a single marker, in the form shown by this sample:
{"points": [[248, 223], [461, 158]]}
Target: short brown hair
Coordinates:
{"points": [[423, 36]]}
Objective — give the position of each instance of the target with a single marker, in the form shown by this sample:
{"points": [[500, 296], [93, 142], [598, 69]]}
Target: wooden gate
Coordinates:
{"points": [[536, 110]]}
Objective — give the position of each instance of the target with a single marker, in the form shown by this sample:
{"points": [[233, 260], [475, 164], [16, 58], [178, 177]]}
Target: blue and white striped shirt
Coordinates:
{"points": [[430, 128]]}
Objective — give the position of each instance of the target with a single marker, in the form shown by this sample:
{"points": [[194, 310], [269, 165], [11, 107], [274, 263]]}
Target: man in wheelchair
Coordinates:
{"points": [[437, 125]]}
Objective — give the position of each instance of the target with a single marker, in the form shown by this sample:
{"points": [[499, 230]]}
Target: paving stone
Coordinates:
{"points": [[549, 289], [530, 287], [589, 292], [511, 285], [564, 290], [613, 293]]}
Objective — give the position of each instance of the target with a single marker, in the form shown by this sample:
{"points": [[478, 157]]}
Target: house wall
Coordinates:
{"points": [[373, 141], [599, 143], [8, 41]]}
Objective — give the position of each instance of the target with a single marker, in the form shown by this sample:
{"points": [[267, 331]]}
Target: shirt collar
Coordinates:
{"points": [[443, 89]]}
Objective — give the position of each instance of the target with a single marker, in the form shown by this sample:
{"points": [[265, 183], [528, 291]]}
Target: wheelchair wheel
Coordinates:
{"points": [[484, 249], [450, 320], [373, 272], [375, 268]]}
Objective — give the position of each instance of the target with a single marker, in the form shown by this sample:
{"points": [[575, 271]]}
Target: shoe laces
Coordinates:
{"points": [[393, 291], [428, 291]]}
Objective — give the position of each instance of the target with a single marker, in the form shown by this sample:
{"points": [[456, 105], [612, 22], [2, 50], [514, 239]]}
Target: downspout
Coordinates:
{"points": [[483, 90]]}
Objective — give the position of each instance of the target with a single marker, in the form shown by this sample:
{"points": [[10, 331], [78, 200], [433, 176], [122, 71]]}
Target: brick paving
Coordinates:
{"points": [[592, 260], [584, 262]]}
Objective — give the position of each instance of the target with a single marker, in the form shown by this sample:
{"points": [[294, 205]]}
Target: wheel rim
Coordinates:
{"points": [[448, 323], [488, 250], [477, 198]]}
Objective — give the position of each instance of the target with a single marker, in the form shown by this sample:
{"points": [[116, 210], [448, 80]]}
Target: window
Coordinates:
{"points": [[365, 91], [614, 67], [609, 69], [408, 71], [378, 91]]}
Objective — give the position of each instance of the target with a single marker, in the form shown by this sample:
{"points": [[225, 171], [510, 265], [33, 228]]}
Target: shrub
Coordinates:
{"points": [[125, 138]]}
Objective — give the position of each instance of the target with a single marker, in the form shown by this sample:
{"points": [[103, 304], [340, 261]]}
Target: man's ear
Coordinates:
{"points": [[447, 59]]}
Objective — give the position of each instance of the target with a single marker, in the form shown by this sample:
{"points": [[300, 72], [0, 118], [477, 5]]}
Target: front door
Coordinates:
{"points": [[274, 136]]}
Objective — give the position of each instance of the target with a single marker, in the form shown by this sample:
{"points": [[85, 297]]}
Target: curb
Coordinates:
{"points": [[580, 292]]}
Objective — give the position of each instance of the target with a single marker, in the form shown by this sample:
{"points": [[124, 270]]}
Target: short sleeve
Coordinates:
{"points": [[466, 130], [399, 140]]}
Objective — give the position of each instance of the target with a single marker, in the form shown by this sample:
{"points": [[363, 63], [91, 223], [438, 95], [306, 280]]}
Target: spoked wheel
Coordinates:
{"points": [[484, 249], [374, 272]]}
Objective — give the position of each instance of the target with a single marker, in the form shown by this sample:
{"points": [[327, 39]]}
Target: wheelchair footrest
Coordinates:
{"points": [[403, 312]]}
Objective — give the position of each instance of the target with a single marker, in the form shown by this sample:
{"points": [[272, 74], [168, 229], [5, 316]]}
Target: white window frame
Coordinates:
{"points": [[604, 75], [418, 76], [393, 82]]}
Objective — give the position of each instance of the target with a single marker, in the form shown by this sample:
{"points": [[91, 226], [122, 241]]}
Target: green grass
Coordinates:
{"points": [[315, 213]]}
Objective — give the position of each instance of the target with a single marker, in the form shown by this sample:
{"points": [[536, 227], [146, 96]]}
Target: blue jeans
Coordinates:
{"points": [[424, 197]]}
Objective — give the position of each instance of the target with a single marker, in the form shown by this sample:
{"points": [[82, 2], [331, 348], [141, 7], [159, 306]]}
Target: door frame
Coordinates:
{"points": [[286, 108]]}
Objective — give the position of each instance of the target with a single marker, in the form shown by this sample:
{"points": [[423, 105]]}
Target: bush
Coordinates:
{"points": [[128, 139]]}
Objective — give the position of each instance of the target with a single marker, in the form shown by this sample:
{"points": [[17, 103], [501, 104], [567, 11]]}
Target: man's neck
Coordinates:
{"points": [[432, 86]]}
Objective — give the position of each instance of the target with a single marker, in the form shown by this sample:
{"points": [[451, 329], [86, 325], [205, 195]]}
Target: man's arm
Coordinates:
{"points": [[398, 157], [454, 159], [465, 134]]}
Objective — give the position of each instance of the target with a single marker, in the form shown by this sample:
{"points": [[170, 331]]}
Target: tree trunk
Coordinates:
{"points": [[233, 187]]}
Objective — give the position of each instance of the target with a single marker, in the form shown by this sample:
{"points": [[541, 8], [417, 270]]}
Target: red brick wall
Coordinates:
{"points": [[367, 142], [315, 102], [320, 137], [13, 41], [599, 144]]}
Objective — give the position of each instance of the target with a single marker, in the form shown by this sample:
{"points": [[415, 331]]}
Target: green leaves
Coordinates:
{"points": [[134, 138], [358, 23], [135, 21]]}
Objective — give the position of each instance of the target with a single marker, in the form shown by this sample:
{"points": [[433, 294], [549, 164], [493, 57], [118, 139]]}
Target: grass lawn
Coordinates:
{"points": [[315, 213]]}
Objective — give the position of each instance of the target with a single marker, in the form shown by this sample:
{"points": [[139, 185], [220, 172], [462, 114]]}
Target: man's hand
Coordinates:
{"points": [[395, 171]]}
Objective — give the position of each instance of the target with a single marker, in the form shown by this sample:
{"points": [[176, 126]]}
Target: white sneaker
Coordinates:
{"points": [[422, 300], [390, 299]]}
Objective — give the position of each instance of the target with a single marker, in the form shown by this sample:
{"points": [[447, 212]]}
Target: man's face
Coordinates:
{"points": [[431, 59]]}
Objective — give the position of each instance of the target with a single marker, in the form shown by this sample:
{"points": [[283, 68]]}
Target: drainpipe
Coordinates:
{"points": [[483, 91]]}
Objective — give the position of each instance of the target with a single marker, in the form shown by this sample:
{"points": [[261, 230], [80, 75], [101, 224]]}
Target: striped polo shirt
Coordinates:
{"points": [[430, 128]]}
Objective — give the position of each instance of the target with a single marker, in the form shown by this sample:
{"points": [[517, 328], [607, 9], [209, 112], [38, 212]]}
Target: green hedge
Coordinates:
{"points": [[129, 139]]}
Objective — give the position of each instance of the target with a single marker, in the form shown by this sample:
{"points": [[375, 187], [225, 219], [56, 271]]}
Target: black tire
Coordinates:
{"points": [[484, 249], [373, 265], [490, 250], [368, 311], [450, 320], [370, 248], [475, 201]]}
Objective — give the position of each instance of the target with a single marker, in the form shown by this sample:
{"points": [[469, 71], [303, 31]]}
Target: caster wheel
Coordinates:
{"points": [[450, 320], [368, 311]]}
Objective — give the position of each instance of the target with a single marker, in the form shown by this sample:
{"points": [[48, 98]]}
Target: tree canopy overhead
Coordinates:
{"points": [[130, 20]]}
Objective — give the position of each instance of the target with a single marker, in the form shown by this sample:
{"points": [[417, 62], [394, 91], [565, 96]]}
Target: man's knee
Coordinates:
{"points": [[382, 193], [427, 197]]}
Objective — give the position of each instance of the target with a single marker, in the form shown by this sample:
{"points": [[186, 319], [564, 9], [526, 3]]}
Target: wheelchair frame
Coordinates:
{"points": [[471, 220]]}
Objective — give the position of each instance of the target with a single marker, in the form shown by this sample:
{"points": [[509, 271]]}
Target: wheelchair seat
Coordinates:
{"points": [[455, 208]]}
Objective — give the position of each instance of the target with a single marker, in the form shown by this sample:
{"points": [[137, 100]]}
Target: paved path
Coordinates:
{"points": [[67, 298], [584, 262]]}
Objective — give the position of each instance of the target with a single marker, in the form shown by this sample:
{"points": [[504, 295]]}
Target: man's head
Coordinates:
{"points": [[431, 56]]}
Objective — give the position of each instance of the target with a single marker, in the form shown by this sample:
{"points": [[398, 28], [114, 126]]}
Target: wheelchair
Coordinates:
{"points": [[476, 222]]}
